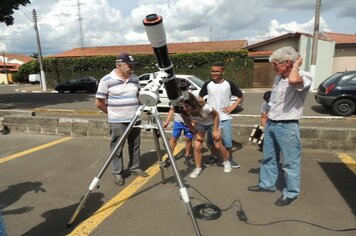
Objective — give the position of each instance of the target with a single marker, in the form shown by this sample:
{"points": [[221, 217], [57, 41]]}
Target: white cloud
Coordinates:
{"points": [[275, 29], [112, 22]]}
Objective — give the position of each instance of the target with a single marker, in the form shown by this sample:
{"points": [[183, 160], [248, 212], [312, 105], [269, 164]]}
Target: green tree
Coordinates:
{"points": [[7, 9]]}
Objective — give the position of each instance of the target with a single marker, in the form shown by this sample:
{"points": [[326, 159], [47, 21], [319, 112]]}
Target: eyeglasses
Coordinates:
{"points": [[215, 72], [275, 64]]}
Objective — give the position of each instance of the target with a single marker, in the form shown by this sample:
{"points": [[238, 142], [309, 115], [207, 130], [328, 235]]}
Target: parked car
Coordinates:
{"points": [[87, 83], [193, 82], [338, 93]]}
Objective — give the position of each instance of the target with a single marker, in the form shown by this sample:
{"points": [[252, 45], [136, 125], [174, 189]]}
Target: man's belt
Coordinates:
{"points": [[284, 121]]}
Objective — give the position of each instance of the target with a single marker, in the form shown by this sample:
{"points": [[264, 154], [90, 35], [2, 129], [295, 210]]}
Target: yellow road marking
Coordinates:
{"points": [[19, 154], [88, 226], [349, 161]]}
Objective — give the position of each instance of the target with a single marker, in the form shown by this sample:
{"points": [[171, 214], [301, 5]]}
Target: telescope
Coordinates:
{"points": [[157, 36]]}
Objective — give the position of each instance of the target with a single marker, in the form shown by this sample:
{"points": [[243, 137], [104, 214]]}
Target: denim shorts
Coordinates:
{"points": [[226, 134], [178, 127]]}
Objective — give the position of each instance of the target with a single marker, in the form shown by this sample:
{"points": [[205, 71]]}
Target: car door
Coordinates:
{"points": [[350, 86], [81, 85]]}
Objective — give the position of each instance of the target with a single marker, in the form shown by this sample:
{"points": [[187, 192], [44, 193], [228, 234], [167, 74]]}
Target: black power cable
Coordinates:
{"points": [[209, 211]]}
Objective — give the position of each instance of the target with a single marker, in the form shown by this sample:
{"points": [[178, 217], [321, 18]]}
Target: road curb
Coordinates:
{"points": [[313, 137]]}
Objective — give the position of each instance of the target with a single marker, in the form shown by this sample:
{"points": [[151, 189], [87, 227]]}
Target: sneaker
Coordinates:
{"points": [[234, 164], [196, 172], [188, 160], [166, 163], [5, 130], [227, 166], [138, 172], [211, 161], [119, 180]]}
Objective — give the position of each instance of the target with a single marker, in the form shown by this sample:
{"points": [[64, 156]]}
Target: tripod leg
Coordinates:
{"points": [[96, 180], [158, 153], [182, 189]]}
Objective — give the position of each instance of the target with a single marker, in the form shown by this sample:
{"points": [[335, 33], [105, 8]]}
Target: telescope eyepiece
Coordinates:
{"points": [[152, 19]]}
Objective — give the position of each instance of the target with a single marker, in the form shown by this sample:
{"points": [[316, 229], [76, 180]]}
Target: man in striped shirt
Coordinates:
{"points": [[117, 96]]}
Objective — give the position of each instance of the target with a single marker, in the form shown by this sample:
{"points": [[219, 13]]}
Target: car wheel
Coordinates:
{"points": [[343, 107]]}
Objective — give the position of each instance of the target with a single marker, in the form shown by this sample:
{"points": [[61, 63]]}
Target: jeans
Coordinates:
{"points": [[284, 138], [133, 140], [2, 227]]}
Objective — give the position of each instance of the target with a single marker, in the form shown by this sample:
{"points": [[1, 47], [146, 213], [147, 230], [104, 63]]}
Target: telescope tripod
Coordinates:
{"points": [[158, 131]]}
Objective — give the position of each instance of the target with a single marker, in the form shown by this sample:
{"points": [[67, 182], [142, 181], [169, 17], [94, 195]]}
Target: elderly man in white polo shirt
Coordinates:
{"points": [[282, 132], [117, 96]]}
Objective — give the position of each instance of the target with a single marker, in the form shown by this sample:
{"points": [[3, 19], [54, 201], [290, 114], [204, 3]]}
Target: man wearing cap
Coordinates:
{"points": [[117, 96]]}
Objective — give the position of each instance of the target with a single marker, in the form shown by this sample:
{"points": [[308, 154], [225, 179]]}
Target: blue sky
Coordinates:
{"points": [[119, 22]]}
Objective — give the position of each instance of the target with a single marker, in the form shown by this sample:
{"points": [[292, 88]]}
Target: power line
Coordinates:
{"points": [[25, 14]]}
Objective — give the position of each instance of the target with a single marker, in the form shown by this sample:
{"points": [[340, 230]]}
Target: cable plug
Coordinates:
{"points": [[241, 215]]}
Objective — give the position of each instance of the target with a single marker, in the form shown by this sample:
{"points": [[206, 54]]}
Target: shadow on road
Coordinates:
{"points": [[321, 110], [14, 192], [55, 220], [344, 180]]}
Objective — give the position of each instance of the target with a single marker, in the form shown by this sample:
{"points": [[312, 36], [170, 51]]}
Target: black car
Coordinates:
{"points": [[88, 84], [338, 93]]}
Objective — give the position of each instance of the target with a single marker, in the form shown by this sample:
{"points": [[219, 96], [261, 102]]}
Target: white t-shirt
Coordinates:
{"points": [[206, 117]]}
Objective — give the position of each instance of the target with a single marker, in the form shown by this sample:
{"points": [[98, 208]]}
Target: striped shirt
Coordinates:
{"points": [[286, 100], [121, 97]]}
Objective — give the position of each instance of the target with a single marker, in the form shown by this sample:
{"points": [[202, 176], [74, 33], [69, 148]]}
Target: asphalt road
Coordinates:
{"points": [[85, 101], [43, 178]]}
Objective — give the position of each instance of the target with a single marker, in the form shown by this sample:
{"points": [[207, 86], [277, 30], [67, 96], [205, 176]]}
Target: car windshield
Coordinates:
{"points": [[333, 79], [196, 80]]}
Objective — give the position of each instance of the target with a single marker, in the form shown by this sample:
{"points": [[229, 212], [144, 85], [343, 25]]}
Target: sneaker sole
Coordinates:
{"points": [[193, 177]]}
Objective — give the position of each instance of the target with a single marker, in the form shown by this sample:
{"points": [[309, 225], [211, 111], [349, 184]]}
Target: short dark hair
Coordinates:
{"points": [[267, 95], [218, 63]]}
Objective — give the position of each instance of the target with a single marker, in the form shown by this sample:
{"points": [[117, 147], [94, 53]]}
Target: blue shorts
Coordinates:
{"points": [[178, 127], [226, 134]]}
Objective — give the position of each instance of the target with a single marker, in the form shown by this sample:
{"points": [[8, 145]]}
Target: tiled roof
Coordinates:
{"points": [[231, 45], [20, 57], [9, 66], [284, 36], [341, 38], [274, 39]]}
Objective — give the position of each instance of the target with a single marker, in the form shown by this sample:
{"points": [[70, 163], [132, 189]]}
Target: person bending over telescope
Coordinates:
{"points": [[207, 121]]}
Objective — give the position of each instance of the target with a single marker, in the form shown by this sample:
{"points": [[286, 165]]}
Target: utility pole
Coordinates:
{"points": [[81, 29], [315, 42], [43, 77], [5, 67]]}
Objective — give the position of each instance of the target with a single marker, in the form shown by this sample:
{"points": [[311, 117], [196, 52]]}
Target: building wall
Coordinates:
{"points": [[324, 59], [344, 58], [3, 79], [344, 63]]}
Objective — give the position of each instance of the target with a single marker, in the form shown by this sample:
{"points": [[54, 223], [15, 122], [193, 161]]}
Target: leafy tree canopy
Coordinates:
{"points": [[7, 9]]}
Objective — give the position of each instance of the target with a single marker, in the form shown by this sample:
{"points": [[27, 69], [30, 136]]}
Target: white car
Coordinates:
{"points": [[194, 86]]}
